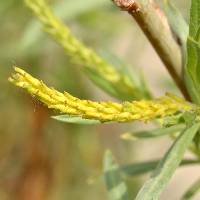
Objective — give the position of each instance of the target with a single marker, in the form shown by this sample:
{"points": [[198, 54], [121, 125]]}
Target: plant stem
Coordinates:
{"points": [[155, 26]]}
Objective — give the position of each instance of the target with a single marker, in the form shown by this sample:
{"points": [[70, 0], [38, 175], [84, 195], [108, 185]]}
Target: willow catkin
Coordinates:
{"points": [[143, 110], [80, 54]]}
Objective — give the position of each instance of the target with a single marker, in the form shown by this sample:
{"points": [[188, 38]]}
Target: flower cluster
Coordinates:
{"points": [[80, 54], [143, 110]]}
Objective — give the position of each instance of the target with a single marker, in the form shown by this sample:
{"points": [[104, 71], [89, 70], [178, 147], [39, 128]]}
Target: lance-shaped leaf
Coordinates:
{"points": [[76, 120], [192, 71], [153, 133], [177, 22], [192, 191], [167, 166], [148, 166], [116, 186]]}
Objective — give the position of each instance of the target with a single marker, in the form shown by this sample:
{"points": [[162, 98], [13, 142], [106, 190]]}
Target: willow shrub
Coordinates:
{"points": [[175, 116]]}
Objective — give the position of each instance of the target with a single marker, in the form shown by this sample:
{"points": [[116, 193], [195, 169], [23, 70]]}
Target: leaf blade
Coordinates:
{"points": [[153, 133], [116, 187], [148, 166], [167, 166], [176, 21], [193, 50], [192, 191], [75, 120]]}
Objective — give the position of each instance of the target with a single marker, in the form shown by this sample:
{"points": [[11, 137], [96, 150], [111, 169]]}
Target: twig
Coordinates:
{"points": [[155, 26]]}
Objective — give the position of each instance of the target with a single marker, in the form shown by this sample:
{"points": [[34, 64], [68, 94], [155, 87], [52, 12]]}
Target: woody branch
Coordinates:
{"points": [[155, 26]]}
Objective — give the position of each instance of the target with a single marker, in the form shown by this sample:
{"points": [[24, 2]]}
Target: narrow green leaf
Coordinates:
{"points": [[167, 166], [116, 187], [193, 60], [153, 133], [192, 89], [192, 68], [193, 51], [115, 89], [135, 87], [101, 82], [75, 120], [194, 18], [145, 167], [138, 90], [176, 21], [192, 191]]}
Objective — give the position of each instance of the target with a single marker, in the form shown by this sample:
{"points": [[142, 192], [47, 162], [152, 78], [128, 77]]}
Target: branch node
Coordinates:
{"points": [[127, 5]]}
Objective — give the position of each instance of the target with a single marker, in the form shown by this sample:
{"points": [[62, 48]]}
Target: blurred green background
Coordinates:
{"points": [[41, 158]]}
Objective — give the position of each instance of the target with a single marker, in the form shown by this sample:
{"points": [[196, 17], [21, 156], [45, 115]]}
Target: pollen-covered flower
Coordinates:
{"points": [[143, 110]]}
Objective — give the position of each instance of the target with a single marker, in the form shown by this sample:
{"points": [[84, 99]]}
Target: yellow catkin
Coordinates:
{"points": [[143, 110], [80, 54]]}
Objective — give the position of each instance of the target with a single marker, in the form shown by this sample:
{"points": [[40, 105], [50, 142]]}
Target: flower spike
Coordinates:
{"points": [[143, 110]]}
